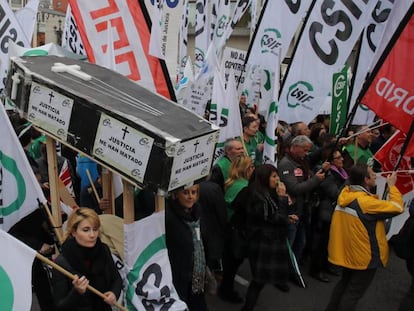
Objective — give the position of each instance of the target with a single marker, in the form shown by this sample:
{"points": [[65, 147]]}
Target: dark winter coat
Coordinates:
{"points": [[267, 237], [179, 241], [101, 273]]}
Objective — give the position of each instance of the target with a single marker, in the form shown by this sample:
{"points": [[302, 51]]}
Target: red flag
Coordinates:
{"points": [[391, 94], [388, 156], [127, 22]]}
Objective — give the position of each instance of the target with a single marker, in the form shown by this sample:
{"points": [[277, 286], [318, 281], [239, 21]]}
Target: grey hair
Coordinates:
{"points": [[228, 144], [301, 140]]}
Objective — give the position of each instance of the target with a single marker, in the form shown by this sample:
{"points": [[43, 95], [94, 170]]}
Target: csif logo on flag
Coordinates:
{"points": [[222, 24], [363, 107], [270, 41], [299, 94], [9, 166], [340, 85], [199, 58]]}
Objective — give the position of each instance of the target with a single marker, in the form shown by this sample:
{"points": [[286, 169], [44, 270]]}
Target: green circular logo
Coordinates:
{"points": [[6, 292], [270, 41], [299, 94], [10, 165]]}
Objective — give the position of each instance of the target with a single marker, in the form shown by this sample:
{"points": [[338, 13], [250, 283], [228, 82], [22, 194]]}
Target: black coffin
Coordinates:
{"points": [[148, 139]]}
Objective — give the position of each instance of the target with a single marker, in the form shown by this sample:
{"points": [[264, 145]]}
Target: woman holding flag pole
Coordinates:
{"points": [[84, 255]]}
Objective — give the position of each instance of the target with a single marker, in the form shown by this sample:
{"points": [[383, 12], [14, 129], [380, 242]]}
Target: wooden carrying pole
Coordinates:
{"points": [[72, 276], [53, 182], [56, 229]]}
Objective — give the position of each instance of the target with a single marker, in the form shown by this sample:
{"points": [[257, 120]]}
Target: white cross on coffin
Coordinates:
{"points": [[16, 82], [74, 70]]}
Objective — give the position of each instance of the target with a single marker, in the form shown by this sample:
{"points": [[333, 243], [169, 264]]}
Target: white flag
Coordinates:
{"points": [[19, 189], [225, 112], [16, 261], [146, 258], [279, 24], [201, 34], [326, 43], [26, 17], [182, 42], [10, 31], [155, 45]]}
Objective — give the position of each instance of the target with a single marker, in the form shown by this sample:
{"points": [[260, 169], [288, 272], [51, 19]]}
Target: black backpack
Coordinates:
{"points": [[403, 241]]}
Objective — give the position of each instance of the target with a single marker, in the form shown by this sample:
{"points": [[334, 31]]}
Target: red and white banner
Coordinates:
{"points": [[131, 35], [388, 156], [391, 93], [384, 21], [328, 38]]}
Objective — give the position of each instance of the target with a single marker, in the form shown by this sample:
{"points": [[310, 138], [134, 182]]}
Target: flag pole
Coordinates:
{"points": [[72, 276], [56, 229]]}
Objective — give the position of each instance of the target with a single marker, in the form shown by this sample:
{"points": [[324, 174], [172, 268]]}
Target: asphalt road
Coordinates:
{"points": [[385, 293]]}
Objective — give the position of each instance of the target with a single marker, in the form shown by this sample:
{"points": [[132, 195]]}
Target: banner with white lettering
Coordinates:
{"points": [[339, 101], [328, 38], [391, 93], [150, 285], [384, 21], [10, 31], [128, 21], [279, 23]]}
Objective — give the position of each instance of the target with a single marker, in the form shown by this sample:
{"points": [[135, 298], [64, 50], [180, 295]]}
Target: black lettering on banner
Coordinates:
{"points": [[242, 4], [12, 35], [200, 7], [154, 273], [379, 16], [294, 6], [333, 18]]}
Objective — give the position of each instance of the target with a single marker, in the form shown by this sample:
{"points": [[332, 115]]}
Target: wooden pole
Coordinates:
{"points": [[53, 181], [72, 276], [95, 192], [160, 200], [128, 194], [107, 188], [56, 229]]}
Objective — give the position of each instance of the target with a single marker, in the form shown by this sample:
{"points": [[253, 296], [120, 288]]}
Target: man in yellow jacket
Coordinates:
{"points": [[357, 239]]}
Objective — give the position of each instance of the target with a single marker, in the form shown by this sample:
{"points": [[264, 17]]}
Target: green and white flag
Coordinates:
{"points": [[150, 285], [224, 111], [19, 188], [16, 261]]}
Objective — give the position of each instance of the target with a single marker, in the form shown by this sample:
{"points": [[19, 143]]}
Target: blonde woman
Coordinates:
{"points": [[235, 250], [84, 255]]}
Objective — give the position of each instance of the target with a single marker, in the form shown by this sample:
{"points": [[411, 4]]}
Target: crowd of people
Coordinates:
{"points": [[317, 203]]}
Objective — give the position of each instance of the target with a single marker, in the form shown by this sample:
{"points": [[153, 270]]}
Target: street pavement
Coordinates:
{"points": [[385, 292]]}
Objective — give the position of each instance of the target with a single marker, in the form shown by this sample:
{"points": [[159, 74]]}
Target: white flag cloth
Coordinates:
{"points": [[71, 39], [376, 38], [155, 48], [182, 42], [225, 112], [26, 17], [279, 24], [201, 34], [19, 189], [322, 50], [146, 257], [11, 31], [16, 261]]}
